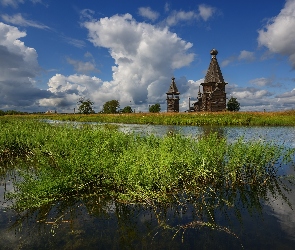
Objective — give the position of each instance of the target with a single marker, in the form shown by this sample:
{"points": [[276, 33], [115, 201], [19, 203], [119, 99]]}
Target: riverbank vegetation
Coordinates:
{"points": [[60, 162], [283, 118]]}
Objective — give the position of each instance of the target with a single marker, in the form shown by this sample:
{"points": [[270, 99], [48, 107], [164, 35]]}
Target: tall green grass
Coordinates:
{"points": [[58, 163], [283, 118]]}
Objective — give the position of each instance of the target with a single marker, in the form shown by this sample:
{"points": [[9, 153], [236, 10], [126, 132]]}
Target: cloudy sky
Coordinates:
{"points": [[54, 52]]}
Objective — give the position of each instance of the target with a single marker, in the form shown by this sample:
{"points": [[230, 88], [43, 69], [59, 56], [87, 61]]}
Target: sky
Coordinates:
{"points": [[54, 52]]}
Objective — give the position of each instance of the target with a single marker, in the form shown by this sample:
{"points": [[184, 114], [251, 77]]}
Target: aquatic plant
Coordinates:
{"points": [[58, 162]]}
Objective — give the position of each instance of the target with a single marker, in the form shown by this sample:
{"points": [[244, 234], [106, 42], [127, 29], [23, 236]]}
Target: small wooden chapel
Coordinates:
{"points": [[213, 97]]}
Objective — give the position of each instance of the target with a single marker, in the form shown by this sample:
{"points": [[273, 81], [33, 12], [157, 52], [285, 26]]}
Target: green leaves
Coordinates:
{"points": [[111, 107], [233, 104], [155, 108], [85, 106]]}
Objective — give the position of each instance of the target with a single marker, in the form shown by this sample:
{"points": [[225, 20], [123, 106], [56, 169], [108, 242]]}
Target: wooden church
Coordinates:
{"points": [[213, 97]]}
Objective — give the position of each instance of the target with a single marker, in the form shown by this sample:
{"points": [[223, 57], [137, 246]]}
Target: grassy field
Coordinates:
{"points": [[283, 118]]}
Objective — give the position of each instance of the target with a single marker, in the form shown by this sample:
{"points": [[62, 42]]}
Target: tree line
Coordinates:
{"points": [[113, 107], [12, 112], [110, 107]]}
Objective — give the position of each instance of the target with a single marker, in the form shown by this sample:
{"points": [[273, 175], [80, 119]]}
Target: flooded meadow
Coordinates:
{"points": [[171, 208]]}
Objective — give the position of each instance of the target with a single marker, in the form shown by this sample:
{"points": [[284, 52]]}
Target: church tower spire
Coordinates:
{"points": [[173, 97], [214, 73]]}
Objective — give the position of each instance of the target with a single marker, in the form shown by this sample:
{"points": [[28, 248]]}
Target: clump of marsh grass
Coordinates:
{"points": [[64, 161]]}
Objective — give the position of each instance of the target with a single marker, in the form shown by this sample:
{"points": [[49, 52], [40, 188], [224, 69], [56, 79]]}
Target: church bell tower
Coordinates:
{"points": [[173, 97]]}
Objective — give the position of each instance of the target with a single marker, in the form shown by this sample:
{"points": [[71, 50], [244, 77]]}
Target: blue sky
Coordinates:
{"points": [[54, 52]]}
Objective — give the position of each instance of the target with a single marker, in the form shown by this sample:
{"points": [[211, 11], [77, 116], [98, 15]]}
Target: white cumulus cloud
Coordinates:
{"points": [[147, 12], [260, 81], [243, 56], [66, 91], [204, 12], [263, 81], [83, 67], [18, 68], [246, 55], [278, 35], [178, 16], [145, 57]]}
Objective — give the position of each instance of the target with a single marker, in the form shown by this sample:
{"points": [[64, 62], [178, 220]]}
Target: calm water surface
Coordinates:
{"points": [[102, 224]]}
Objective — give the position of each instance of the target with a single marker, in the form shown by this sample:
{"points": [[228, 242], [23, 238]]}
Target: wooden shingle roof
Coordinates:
{"points": [[173, 88], [214, 73]]}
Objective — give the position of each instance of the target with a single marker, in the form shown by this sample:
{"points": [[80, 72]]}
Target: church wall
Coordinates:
{"points": [[173, 105]]}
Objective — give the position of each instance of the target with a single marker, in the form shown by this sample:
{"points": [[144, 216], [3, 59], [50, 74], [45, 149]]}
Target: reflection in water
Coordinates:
{"points": [[201, 131], [285, 213], [213, 216], [282, 135], [7, 177], [211, 129]]}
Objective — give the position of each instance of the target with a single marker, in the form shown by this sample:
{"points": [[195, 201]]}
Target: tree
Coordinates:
{"points": [[156, 108], [233, 104], [127, 109], [85, 106], [110, 107]]}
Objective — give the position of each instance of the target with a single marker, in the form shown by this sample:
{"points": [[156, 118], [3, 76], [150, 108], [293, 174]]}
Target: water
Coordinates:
{"points": [[99, 223], [281, 135]]}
